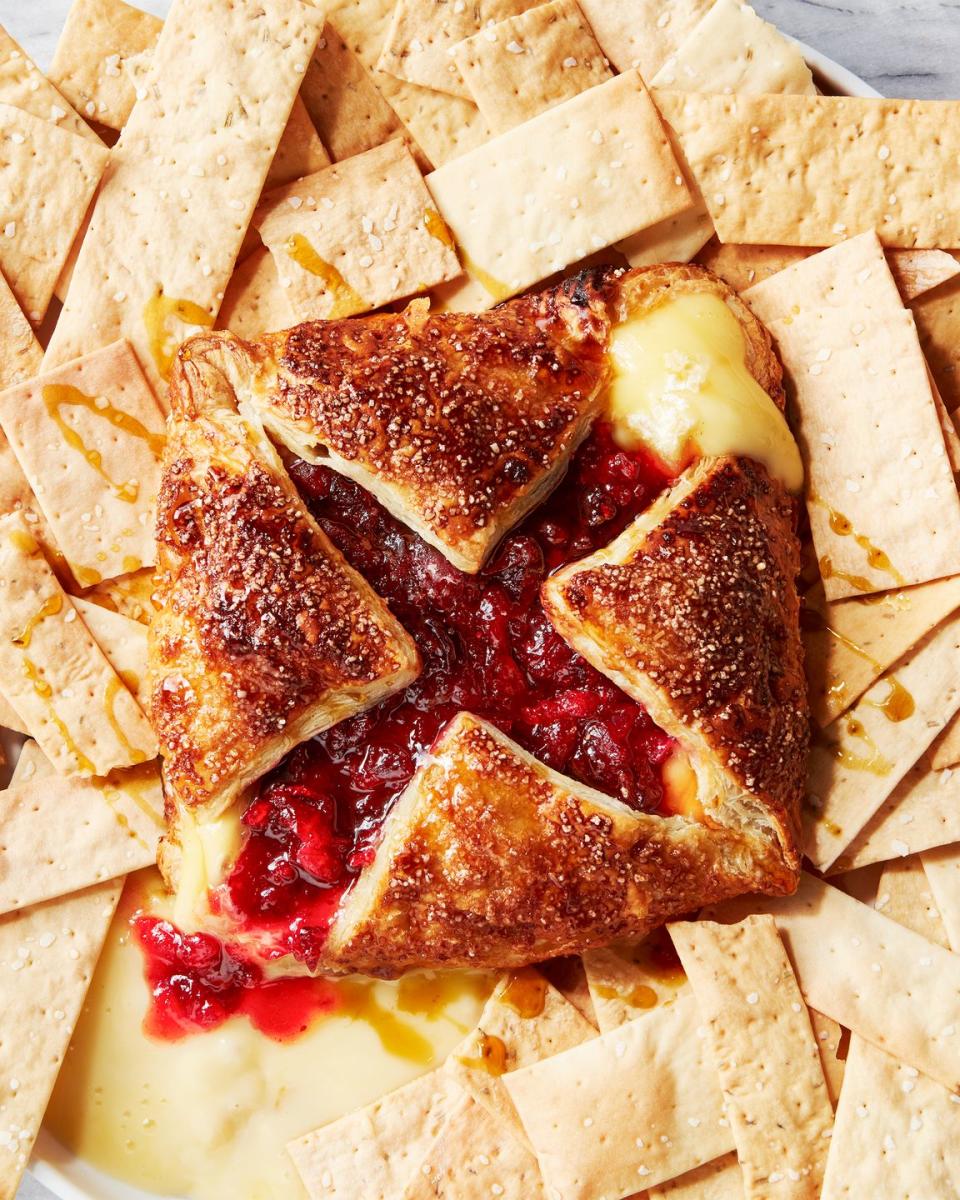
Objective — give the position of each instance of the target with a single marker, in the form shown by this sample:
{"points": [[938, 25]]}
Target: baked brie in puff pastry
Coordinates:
{"points": [[441, 438]]}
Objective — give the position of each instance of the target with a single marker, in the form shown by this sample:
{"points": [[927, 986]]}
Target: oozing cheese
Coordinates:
{"points": [[681, 388], [209, 1116], [206, 850]]}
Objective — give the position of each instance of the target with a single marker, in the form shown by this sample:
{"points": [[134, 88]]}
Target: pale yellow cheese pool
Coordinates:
{"points": [[208, 1117]]}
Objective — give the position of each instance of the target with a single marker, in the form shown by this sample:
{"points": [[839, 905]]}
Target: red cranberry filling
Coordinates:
{"points": [[487, 646]]}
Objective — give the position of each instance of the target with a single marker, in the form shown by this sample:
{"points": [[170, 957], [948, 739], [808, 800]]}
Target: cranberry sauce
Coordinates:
{"points": [[487, 646]]}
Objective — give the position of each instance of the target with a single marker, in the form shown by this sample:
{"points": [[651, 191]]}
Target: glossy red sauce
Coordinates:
{"points": [[487, 647]]}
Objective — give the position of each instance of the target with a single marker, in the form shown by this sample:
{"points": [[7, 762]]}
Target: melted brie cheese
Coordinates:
{"points": [[681, 389], [209, 1116], [207, 849]]}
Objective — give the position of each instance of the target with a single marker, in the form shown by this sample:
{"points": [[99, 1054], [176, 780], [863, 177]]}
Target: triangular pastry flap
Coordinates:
{"points": [[266, 635], [491, 858], [693, 611], [459, 423]]}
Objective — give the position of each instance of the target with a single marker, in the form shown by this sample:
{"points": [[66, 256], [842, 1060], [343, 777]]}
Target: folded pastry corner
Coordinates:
{"points": [[693, 611], [489, 856], [264, 635]]}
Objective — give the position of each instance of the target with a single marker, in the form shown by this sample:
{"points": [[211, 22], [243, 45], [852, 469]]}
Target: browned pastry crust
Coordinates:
{"points": [[491, 858], [458, 423], [694, 612], [264, 634]]}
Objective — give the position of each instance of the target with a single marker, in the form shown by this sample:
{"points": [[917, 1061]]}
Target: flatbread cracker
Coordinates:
{"points": [[423, 33], [895, 989], [374, 1151], [25, 86], [344, 104], [942, 867], [529, 63], [627, 982], [642, 33], [922, 812], [171, 215], [525, 1020], [576, 178], [47, 956], [904, 895], [88, 64], [829, 1035], [20, 352], [629, 1109], [938, 322], [300, 152], [849, 644], [731, 49], [721, 1179], [945, 751], [254, 301], [569, 978], [858, 762], [124, 642], [41, 159], [103, 829], [470, 1159], [357, 235], [89, 436], [764, 1049], [866, 421], [54, 673], [814, 170], [888, 1105]]}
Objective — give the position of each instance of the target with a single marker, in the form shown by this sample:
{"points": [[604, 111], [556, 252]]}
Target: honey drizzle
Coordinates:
{"points": [[359, 1002], [437, 227], [59, 395], [160, 338], [491, 1056], [876, 764], [45, 692], [112, 690], [877, 559], [898, 705], [49, 608], [526, 994], [499, 291], [345, 300]]}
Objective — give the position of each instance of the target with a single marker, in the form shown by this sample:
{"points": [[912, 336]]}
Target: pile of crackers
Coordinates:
{"points": [[249, 164]]}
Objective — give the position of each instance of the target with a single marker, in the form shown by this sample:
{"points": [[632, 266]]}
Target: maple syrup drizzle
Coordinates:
{"points": [[898, 704], [60, 395], [345, 300], [163, 341], [491, 1056], [640, 996], [45, 692], [437, 227], [430, 995], [133, 783], [113, 689], [874, 762], [357, 1000], [877, 559], [49, 608], [526, 994]]}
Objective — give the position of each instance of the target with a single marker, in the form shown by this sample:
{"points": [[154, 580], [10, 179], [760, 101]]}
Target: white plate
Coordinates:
{"points": [[70, 1178]]}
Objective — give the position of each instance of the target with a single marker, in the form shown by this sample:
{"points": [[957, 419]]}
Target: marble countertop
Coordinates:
{"points": [[907, 48]]}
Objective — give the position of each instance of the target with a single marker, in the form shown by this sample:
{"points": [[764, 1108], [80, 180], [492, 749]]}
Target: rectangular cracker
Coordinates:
{"points": [[814, 170], [124, 642], [731, 49], [104, 828], [866, 421], [938, 321], [589, 172], [347, 110], [642, 34], [629, 1109], [905, 896], [373, 1152], [41, 159], [254, 301], [829, 1035], [529, 63], [888, 1105], [765, 1053], [849, 644], [20, 352], [97, 38], [894, 988], [945, 751], [857, 763], [942, 867], [47, 957], [89, 436], [525, 1020], [356, 235], [25, 86], [300, 151], [424, 32], [54, 673], [471, 1159], [627, 982], [173, 210], [923, 811], [440, 125]]}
